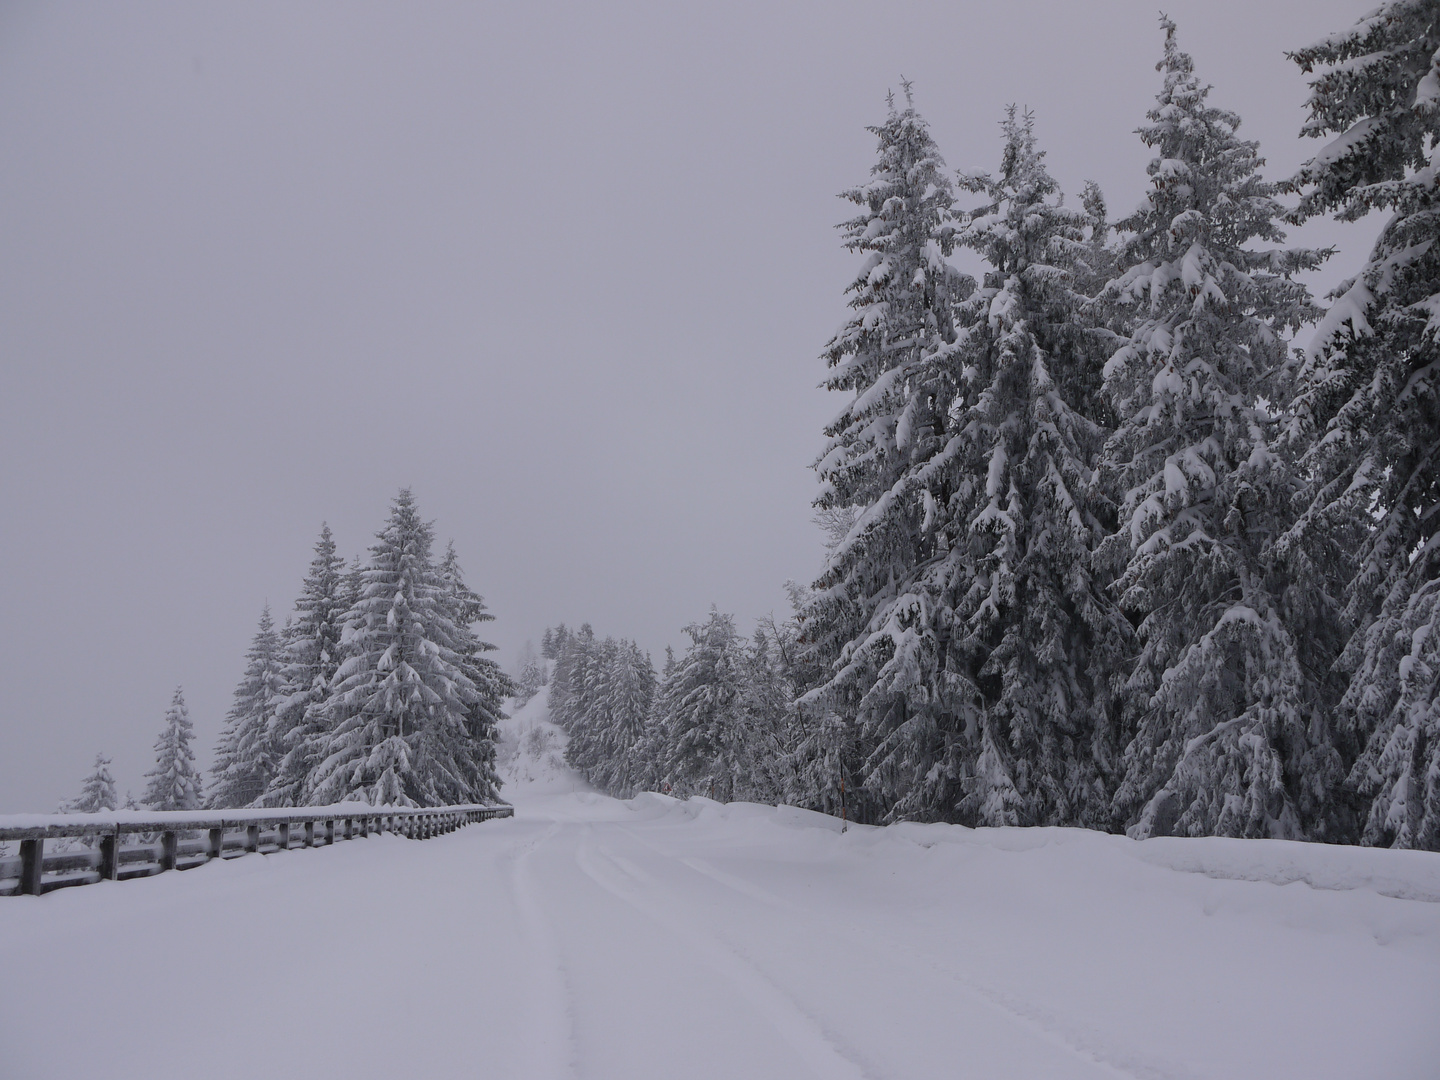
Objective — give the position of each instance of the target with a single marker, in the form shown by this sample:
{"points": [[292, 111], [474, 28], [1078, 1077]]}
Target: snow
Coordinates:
{"points": [[588, 937]]}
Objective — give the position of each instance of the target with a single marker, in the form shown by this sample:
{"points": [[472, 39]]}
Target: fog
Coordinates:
{"points": [[563, 269]]}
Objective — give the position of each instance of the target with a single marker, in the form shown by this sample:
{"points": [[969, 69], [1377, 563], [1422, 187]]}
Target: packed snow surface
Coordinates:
{"points": [[588, 937]]}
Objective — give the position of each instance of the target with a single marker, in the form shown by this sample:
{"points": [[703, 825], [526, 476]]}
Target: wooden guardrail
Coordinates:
{"points": [[173, 840]]}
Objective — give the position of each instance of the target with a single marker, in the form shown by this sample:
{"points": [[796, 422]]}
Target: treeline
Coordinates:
{"points": [[1110, 550], [716, 721], [376, 688]]}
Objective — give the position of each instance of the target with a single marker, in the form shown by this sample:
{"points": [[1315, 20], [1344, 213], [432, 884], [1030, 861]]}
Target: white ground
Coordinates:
{"points": [[594, 938]]}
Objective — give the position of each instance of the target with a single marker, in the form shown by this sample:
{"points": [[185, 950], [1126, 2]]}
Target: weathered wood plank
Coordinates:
{"points": [[32, 865], [109, 857]]}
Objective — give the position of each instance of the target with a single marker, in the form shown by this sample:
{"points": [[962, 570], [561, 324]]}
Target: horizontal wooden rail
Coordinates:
{"points": [[174, 842]]}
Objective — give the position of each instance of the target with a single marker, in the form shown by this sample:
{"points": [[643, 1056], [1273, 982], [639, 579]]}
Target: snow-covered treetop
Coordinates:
{"points": [[1026, 222], [901, 304], [1214, 309], [1378, 95]]}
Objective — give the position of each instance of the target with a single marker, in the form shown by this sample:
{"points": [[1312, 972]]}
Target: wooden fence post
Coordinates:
{"points": [[168, 844], [309, 834], [110, 856], [217, 843], [283, 836], [32, 866], [252, 838], [329, 833]]}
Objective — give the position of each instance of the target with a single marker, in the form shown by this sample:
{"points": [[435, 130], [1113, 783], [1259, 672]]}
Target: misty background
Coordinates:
{"points": [[565, 270]]}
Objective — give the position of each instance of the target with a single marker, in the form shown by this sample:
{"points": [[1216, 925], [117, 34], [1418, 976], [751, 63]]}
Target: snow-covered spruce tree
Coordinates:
{"points": [[814, 744], [632, 696], [699, 715], [614, 710], [584, 712], [570, 683], [774, 729], [1369, 404], [466, 607], [246, 755], [885, 356], [310, 651], [530, 674], [98, 792], [1230, 735], [174, 782], [404, 705], [986, 669]]}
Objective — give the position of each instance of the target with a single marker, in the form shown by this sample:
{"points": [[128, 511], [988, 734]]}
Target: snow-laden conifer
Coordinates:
{"points": [[246, 755], [885, 359], [627, 693], [817, 745], [174, 783], [1231, 727], [406, 708], [310, 650], [1000, 648], [530, 673], [98, 792], [601, 695], [699, 716], [492, 686], [574, 653], [1369, 403]]}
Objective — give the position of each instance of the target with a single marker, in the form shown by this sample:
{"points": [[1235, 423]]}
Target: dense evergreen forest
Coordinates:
{"points": [[1132, 532], [1129, 532]]}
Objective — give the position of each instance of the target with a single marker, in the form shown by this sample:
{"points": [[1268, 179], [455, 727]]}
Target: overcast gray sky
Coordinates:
{"points": [[563, 268]]}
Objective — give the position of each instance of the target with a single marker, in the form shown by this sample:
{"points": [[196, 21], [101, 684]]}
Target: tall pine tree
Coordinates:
{"points": [[885, 357], [698, 720], [1369, 405], [405, 706], [1231, 734], [310, 650], [247, 755], [1002, 643], [492, 685]]}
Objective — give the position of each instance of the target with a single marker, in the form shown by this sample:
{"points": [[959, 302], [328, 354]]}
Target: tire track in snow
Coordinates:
{"points": [[1123, 1063], [821, 1053], [551, 1001]]}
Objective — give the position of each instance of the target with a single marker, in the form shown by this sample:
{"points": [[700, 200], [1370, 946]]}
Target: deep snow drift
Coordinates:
{"points": [[592, 938]]}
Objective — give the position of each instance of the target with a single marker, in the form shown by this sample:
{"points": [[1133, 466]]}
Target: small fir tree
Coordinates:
{"points": [[98, 793], [174, 783], [530, 674]]}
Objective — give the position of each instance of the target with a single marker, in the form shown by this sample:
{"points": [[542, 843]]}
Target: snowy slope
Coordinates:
{"points": [[530, 752], [653, 938]]}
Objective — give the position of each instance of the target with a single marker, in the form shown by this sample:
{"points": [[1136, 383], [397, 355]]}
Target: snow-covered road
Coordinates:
{"points": [[592, 938]]}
